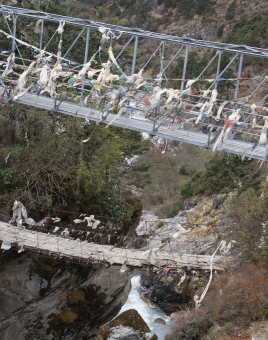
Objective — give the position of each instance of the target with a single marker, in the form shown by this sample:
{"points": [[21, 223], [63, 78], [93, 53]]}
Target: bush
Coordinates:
{"points": [[249, 210], [123, 22], [230, 14], [53, 167], [253, 32], [188, 8], [220, 31], [224, 173], [102, 12], [234, 299]]}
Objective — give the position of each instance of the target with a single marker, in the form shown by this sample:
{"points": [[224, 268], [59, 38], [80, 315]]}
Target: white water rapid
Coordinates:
{"points": [[148, 314]]}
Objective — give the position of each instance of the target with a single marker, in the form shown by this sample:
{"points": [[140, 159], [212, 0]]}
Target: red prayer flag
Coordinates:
{"points": [[146, 101], [228, 123]]}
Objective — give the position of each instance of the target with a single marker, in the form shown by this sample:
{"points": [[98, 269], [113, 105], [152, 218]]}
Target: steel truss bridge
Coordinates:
{"points": [[163, 104]]}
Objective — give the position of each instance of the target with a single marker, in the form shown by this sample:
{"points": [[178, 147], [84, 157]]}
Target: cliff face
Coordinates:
{"points": [[42, 298]]}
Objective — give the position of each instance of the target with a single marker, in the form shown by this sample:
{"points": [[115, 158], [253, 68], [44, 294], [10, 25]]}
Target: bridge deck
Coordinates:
{"points": [[196, 138], [75, 249]]}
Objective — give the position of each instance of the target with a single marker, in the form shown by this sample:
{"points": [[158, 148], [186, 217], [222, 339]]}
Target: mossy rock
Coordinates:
{"points": [[104, 331], [185, 294], [136, 205], [85, 301], [130, 318], [75, 296], [67, 317], [45, 267]]}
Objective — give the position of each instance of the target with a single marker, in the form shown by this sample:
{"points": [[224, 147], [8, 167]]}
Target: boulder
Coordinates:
{"points": [[164, 290], [147, 225], [127, 326], [191, 202], [159, 320], [218, 201]]}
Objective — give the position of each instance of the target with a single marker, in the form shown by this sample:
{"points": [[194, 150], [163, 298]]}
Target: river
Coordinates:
{"points": [[148, 314]]}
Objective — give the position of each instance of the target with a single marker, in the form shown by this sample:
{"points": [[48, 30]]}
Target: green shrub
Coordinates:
{"points": [[188, 8], [230, 14], [123, 22], [253, 32], [220, 31], [224, 173]]}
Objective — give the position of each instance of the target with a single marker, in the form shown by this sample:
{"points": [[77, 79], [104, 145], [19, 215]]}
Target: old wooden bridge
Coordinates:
{"points": [[85, 252]]}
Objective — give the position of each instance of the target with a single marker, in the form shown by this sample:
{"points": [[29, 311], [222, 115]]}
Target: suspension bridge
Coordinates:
{"points": [[87, 252], [193, 111]]}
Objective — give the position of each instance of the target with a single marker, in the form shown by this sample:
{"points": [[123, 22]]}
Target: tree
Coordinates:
{"points": [[45, 164], [230, 14], [224, 173]]}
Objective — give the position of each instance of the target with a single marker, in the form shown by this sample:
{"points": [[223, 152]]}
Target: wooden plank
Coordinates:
{"points": [[47, 243]]}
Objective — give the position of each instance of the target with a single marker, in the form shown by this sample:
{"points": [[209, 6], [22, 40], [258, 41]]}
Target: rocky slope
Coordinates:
{"points": [[207, 28], [196, 230], [208, 20], [182, 18]]}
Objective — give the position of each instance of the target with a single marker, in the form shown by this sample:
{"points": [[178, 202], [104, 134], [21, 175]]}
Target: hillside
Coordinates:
{"points": [[63, 169], [204, 19]]}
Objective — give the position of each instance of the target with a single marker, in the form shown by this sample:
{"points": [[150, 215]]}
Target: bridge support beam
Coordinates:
{"points": [[123, 49], [162, 57], [85, 61], [218, 68], [74, 42], [41, 35], [135, 55], [14, 32], [210, 62], [223, 71], [239, 72], [173, 58], [185, 66]]}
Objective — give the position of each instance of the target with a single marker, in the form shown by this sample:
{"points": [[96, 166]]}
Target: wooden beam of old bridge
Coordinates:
{"points": [[85, 251]]}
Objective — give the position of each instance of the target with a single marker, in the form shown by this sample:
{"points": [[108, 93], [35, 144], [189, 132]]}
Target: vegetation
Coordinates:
{"points": [[167, 174], [248, 207], [200, 7], [67, 317], [230, 14], [222, 174], [240, 300], [249, 210], [253, 32], [45, 164], [220, 31]]}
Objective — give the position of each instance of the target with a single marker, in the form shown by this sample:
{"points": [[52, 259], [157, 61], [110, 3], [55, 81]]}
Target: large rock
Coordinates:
{"points": [[166, 290], [147, 225], [208, 210], [218, 201], [127, 326], [43, 298], [191, 202]]}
